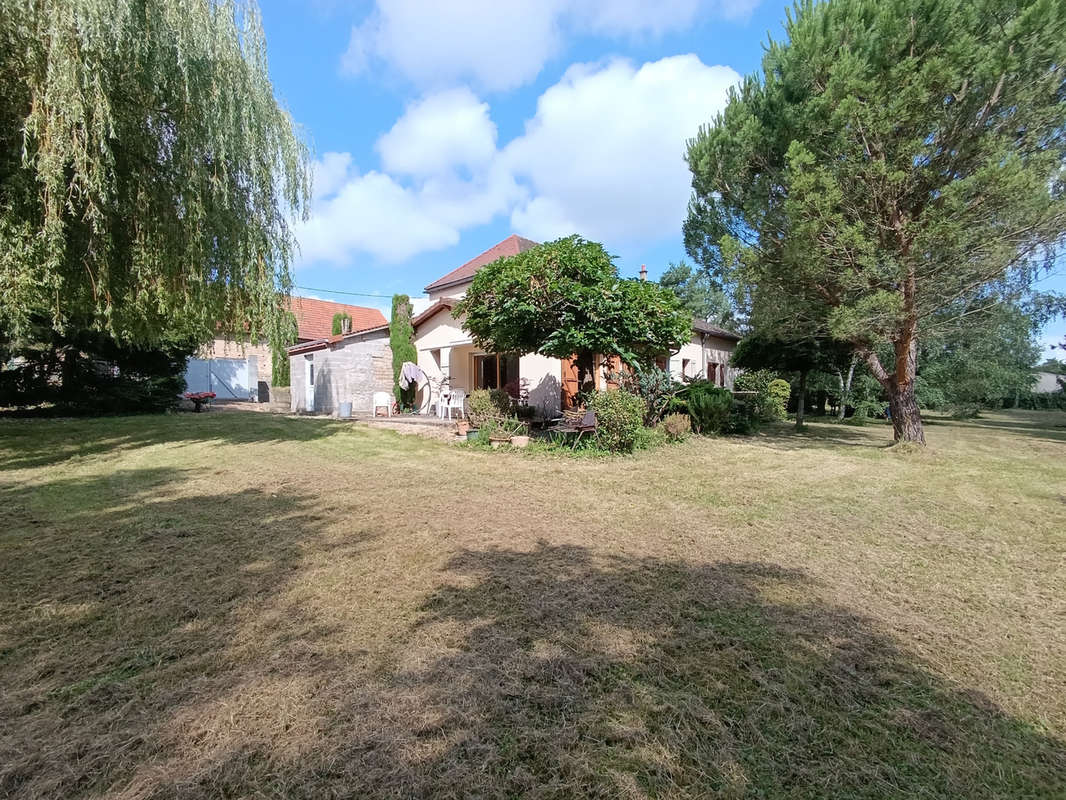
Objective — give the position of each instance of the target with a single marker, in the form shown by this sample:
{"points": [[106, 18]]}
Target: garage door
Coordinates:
{"points": [[228, 378]]}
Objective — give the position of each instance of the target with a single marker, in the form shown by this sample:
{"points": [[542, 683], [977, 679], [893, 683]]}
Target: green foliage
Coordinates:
{"points": [[765, 405], [279, 357], [89, 372], [655, 386], [709, 407], [338, 322], [402, 344], [677, 426], [619, 418], [978, 366], [895, 168], [566, 297], [488, 406], [698, 292], [778, 391], [148, 175], [650, 438]]}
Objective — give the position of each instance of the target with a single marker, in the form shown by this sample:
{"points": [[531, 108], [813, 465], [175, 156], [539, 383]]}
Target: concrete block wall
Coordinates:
{"points": [[349, 371]]}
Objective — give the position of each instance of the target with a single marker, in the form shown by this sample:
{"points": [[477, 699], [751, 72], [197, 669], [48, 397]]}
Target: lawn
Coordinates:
{"points": [[240, 605]]}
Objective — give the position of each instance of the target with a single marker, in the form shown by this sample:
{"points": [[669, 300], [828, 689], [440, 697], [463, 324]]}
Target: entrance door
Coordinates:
{"points": [[309, 391], [571, 381]]}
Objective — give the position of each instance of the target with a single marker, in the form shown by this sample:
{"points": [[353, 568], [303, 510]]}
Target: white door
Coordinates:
{"points": [[309, 392]]}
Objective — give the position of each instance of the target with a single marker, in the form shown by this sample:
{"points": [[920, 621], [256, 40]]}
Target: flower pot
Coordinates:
{"points": [[462, 427], [471, 435], [497, 441], [345, 411], [519, 441]]}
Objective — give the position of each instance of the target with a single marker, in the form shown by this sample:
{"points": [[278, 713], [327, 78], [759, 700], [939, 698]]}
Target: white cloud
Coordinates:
{"points": [[502, 45], [603, 155], [438, 134], [375, 214], [330, 173]]}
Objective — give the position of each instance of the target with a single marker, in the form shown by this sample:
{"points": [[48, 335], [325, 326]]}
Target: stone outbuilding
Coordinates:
{"points": [[345, 368]]}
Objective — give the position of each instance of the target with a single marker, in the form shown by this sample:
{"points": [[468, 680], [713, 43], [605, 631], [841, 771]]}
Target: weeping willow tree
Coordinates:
{"points": [[148, 175]]}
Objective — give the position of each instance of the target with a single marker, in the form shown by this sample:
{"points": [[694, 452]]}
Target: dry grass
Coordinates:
{"points": [[231, 605]]}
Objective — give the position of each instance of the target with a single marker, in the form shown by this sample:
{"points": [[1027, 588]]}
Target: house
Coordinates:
{"points": [[1048, 382], [445, 348], [234, 369], [351, 367]]}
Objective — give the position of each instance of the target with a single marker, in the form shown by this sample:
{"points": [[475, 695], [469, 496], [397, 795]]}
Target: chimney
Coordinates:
{"points": [[346, 325], [643, 272]]}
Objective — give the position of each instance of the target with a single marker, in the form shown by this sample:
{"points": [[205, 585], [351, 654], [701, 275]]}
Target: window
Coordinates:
{"points": [[684, 367], [494, 371]]}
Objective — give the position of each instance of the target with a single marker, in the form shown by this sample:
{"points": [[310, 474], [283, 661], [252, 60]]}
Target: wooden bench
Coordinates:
{"points": [[575, 421]]}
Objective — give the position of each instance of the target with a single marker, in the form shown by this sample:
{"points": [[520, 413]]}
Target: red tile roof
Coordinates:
{"points": [[511, 246], [314, 318]]}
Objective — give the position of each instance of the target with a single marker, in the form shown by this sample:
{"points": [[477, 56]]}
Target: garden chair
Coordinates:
{"points": [[456, 402], [575, 421], [381, 399]]}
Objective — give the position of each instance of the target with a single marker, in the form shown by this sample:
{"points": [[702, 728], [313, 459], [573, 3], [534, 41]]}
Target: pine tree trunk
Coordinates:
{"points": [[906, 418], [902, 403], [802, 399]]}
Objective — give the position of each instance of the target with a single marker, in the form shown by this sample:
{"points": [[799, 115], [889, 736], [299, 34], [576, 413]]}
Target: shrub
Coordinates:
{"points": [[650, 438], [402, 344], [619, 419], [764, 404], [779, 391], [488, 406], [655, 386], [709, 407], [676, 426]]}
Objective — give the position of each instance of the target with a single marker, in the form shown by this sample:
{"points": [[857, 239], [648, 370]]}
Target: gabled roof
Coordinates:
{"points": [[314, 318], [511, 246], [329, 341], [445, 303], [702, 326]]}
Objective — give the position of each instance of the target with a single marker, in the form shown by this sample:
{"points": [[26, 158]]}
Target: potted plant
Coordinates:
{"points": [[499, 433], [519, 434], [462, 427]]}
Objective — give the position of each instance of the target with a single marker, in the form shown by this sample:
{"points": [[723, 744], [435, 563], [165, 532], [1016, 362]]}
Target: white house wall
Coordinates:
{"points": [[702, 351], [540, 376]]}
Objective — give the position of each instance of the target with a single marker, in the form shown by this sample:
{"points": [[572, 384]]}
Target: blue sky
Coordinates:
{"points": [[441, 128]]}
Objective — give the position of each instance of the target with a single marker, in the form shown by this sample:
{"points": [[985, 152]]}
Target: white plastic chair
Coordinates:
{"points": [[456, 402], [381, 399]]}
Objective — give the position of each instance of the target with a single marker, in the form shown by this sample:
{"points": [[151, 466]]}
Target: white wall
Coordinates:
{"points": [[540, 376], [702, 351], [451, 291]]}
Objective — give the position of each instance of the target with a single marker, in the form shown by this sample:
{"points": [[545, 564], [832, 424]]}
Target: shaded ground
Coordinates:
{"points": [[240, 605]]}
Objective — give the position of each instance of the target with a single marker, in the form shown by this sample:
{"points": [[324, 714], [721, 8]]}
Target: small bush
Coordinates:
{"points": [[778, 392], [765, 404], [650, 438], [619, 419], [488, 405], [676, 426], [655, 386], [709, 407]]}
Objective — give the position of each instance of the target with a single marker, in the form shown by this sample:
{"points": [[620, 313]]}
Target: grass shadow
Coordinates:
{"points": [[27, 444], [559, 673], [785, 436], [122, 598]]}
